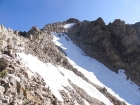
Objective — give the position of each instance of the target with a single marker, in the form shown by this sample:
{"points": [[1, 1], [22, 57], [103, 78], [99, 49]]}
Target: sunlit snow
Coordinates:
{"points": [[99, 74], [68, 25], [55, 80]]}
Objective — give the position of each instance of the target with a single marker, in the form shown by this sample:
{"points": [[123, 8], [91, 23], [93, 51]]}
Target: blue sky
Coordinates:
{"points": [[23, 14]]}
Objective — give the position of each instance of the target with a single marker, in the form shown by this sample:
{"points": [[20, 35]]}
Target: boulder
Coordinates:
{"points": [[3, 63], [2, 90]]}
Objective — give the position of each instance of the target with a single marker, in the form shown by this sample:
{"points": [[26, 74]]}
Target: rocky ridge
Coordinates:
{"points": [[19, 86], [116, 45]]}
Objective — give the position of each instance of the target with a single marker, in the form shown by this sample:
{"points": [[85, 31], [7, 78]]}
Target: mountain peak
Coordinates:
{"points": [[72, 20]]}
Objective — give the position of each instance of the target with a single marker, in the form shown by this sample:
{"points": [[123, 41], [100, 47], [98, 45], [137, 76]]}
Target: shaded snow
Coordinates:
{"points": [[116, 84]]}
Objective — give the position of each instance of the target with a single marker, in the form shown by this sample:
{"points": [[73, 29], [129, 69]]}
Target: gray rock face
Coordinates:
{"points": [[72, 20], [3, 64], [18, 89], [116, 45]]}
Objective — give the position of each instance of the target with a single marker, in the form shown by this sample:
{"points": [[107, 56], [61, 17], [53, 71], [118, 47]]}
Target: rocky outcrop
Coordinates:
{"points": [[116, 45], [20, 86], [16, 85], [72, 20], [54, 27]]}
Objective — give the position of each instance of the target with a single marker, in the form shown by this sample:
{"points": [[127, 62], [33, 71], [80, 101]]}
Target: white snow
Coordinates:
{"points": [[68, 25], [92, 91], [56, 80], [49, 73], [116, 84]]}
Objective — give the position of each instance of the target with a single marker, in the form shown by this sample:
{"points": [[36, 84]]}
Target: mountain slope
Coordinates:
{"points": [[45, 67], [116, 45], [100, 74], [56, 81]]}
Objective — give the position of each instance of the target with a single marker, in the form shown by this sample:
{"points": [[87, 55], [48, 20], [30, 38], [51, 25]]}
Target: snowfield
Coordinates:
{"points": [[116, 84], [98, 73], [55, 80]]}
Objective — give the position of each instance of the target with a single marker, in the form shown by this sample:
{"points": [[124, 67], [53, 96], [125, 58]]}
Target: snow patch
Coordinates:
{"points": [[56, 80], [68, 25]]}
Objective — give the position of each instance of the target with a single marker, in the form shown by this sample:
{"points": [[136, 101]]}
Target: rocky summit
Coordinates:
{"points": [[115, 45]]}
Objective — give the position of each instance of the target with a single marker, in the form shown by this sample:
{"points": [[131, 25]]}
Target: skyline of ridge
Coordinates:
{"points": [[23, 14]]}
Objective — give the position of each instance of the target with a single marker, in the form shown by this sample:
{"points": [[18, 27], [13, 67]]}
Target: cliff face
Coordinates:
{"points": [[117, 45]]}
